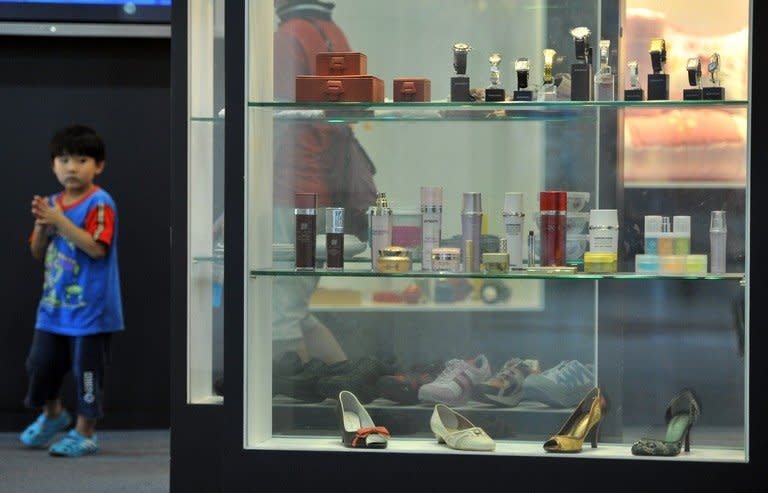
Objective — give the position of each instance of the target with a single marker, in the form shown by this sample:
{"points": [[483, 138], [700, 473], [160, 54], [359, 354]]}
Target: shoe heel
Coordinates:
{"points": [[688, 440], [439, 438], [594, 434]]}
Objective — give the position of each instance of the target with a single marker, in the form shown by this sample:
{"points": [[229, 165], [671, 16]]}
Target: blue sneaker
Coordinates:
{"points": [[563, 385], [39, 433], [74, 445]]}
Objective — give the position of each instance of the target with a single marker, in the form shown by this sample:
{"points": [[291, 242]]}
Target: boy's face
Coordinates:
{"points": [[75, 172]]}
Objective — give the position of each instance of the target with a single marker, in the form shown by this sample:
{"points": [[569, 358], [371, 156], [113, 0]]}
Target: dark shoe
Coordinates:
{"points": [[302, 385], [357, 376], [404, 387], [357, 428], [682, 412]]}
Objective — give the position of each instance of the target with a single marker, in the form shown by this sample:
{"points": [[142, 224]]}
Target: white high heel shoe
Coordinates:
{"points": [[357, 427], [458, 432]]}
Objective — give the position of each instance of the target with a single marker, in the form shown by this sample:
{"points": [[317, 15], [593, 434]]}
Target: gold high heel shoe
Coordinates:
{"points": [[584, 421]]}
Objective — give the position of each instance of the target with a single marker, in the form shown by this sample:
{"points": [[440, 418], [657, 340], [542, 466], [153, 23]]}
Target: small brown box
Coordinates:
{"points": [[339, 89], [341, 63], [412, 89]]}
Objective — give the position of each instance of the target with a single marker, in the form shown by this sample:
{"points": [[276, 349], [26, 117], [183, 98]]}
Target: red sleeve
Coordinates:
{"points": [[100, 223]]}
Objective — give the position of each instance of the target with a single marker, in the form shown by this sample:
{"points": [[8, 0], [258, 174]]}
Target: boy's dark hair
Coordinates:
{"points": [[79, 140]]}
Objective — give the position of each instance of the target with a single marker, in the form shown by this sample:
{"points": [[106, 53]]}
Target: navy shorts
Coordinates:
{"points": [[52, 356]]}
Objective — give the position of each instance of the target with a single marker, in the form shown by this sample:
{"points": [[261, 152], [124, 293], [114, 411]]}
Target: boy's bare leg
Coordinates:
{"points": [[85, 426], [52, 408]]}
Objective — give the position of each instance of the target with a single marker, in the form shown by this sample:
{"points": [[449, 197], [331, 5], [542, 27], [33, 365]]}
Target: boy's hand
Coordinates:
{"points": [[44, 213]]}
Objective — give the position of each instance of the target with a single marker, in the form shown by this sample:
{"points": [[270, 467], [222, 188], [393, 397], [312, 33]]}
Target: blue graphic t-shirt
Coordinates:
{"points": [[81, 295]]}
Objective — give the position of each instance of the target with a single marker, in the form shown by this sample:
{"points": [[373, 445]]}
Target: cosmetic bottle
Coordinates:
{"points": [[381, 228], [334, 238], [665, 237], [604, 230], [531, 249], [306, 230], [514, 218], [471, 222], [652, 230], [431, 223], [717, 236], [681, 232], [552, 206]]}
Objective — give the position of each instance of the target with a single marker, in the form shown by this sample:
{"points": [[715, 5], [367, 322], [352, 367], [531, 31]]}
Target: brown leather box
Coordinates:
{"points": [[339, 89], [412, 89], [341, 63]]}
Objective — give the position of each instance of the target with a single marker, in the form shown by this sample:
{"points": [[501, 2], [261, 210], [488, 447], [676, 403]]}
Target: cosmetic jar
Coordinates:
{"points": [[600, 262], [393, 264], [696, 264], [647, 264], [673, 264], [495, 263], [395, 251], [446, 259]]}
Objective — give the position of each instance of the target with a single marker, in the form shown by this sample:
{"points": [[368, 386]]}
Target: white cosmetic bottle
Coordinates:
{"points": [[381, 228], [431, 223], [514, 219]]}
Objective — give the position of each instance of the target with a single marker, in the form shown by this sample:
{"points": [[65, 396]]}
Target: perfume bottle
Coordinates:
{"points": [[552, 206], [718, 231], [471, 222], [604, 79]]}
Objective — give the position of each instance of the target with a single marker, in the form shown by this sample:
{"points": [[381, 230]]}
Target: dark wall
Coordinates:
{"points": [[121, 87]]}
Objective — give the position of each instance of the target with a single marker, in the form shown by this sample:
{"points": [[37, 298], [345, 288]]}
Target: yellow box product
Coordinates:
{"points": [[600, 262]]}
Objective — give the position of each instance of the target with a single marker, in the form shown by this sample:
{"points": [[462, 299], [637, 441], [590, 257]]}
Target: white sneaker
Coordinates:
{"points": [[454, 386], [563, 385]]}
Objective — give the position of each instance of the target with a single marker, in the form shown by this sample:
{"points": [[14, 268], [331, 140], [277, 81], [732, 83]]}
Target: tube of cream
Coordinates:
{"points": [[431, 223]]}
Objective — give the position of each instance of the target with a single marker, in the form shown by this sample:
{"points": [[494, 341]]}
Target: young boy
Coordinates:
{"points": [[75, 235]]}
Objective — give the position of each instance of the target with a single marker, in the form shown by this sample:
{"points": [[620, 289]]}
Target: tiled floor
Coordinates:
{"points": [[129, 461]]}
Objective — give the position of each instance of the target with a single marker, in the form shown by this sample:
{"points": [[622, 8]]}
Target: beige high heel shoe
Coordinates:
{"points": [[458, 432]]}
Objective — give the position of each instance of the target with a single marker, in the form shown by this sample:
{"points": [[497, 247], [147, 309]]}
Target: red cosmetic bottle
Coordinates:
{"points": [[553, 206]]}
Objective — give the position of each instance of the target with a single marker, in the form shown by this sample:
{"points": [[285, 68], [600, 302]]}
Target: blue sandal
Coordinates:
{"points": [[74, 445], [42, 430]]}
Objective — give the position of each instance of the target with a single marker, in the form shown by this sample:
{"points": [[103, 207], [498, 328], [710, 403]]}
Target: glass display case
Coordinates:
{"points": [[587, 287], [205, 188]]}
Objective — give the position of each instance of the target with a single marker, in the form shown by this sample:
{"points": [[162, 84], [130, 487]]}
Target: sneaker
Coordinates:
{"points": [[563, 385], [39, 433], [454, 385], [74, 445], [505, 389], [404, 388]]}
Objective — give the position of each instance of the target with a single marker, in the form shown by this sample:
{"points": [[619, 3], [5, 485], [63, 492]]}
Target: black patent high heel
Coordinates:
{"points": [[357, 427], [682, 412]]}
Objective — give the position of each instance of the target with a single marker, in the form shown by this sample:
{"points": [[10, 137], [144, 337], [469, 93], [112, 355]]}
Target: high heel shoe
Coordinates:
{"points": [[357, 427], [583, 423], [682, 412], [458, 432]]}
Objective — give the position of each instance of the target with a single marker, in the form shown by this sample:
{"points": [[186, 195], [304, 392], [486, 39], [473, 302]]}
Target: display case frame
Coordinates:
{"points": [[319, 468]]}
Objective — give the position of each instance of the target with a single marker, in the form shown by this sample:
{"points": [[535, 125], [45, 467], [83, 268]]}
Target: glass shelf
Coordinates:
{"points": [[207, 119], [628, 276], [462, 111]]}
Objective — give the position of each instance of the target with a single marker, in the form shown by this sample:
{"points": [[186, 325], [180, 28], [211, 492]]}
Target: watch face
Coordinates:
{"points": [[522, 65], [461, 47], [693, 64], [495, 59], [580, 32], [657, 45]]}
